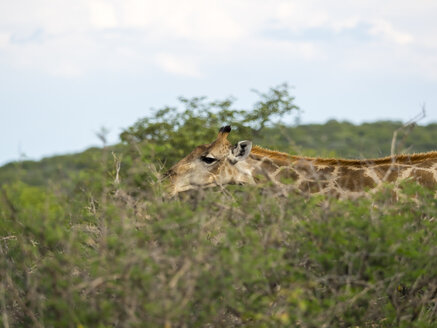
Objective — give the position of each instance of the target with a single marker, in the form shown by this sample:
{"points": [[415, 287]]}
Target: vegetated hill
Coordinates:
{"points": [[337, 139], [344, 139], [54, 168]]}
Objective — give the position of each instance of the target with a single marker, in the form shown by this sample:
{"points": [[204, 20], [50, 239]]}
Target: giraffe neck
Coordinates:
{"points": [[343, 177]]}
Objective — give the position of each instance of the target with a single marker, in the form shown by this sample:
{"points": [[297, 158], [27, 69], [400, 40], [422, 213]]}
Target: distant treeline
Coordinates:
{"points": [[334, 139], [344, 139]]}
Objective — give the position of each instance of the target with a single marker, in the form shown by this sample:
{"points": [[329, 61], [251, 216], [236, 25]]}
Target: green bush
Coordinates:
{"points": [[210, 259]]}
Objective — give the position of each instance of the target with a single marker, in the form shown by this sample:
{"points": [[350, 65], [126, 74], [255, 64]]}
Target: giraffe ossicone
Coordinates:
{"points": [[220, 163]]}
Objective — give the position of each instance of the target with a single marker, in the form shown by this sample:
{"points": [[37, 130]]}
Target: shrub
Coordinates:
{"points": [[247, 257]]}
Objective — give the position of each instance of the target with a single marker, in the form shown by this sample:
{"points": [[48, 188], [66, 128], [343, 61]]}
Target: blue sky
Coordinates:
{"points": [[67, 68]]}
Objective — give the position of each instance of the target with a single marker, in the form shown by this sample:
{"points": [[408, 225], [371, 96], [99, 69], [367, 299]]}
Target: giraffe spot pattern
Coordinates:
{"points": [[286, 175], [426, 164], [354, 179], [268, 165], [423, 177], [306, 168], [387, 173], [313, 186]]}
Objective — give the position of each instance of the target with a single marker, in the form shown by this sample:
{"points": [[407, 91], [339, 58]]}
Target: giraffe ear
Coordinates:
{"points": [[242, 150]]}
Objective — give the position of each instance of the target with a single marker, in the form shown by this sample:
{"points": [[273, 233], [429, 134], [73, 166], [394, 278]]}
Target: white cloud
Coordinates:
{"points": [[4, 39], [178, 65], [193, 20], [66, 70], [77, 37], [386, 30], [102, 14], [299, 15]]}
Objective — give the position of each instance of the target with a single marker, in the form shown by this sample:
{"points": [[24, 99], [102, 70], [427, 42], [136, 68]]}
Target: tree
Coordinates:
{"points": [[171, 133]]}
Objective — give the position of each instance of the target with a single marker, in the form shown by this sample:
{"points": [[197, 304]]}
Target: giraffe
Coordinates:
{"points": [[221, 163]]}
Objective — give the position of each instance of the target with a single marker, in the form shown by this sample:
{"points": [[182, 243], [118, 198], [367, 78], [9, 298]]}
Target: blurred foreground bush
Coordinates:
{"points": [[248, 257]]}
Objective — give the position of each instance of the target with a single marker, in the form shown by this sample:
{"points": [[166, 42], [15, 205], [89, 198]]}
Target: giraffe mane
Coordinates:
{"points": [[281, 157], [271, 154]]}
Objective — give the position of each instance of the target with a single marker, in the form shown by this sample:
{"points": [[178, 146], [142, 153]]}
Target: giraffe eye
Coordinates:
{"points": [[208, 160]]}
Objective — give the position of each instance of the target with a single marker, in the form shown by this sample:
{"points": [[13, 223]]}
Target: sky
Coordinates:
{"points": [[70, 67]]}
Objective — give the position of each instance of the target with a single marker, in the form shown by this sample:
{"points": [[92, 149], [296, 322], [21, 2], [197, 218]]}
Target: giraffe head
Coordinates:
{"points": [[214, 164]]}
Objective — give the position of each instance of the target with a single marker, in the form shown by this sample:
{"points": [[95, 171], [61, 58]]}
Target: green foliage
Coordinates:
{"points": [[246, 258], [172, 133]]}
